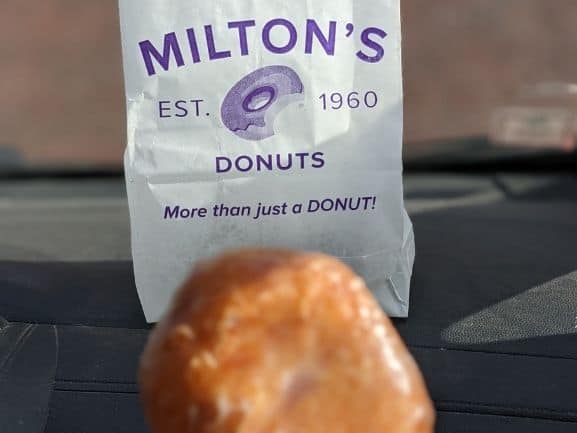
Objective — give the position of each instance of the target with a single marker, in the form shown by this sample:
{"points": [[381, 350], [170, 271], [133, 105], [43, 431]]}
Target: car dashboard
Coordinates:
{"points": [[493, 320]]}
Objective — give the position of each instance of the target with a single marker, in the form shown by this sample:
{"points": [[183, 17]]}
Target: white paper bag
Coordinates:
{"points": [[268, 123]]}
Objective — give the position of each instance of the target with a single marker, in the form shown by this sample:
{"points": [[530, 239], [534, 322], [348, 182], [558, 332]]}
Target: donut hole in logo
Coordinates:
{"points": [[250, 108], [259, 99]]}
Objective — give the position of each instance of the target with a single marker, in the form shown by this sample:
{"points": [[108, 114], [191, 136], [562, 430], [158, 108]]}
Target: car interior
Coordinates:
{"points": [[489, 183]]}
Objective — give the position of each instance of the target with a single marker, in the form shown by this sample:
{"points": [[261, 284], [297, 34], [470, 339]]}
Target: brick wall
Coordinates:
{"points": [[61, 94], [61, 91]]}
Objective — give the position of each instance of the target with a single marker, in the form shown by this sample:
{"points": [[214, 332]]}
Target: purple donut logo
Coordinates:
{"points": [[251, 106]]}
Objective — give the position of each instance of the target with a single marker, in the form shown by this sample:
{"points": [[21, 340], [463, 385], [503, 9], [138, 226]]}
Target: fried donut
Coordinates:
{"points": [[268, 341]]}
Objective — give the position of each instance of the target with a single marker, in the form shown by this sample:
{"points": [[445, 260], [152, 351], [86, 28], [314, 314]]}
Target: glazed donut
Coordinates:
{"points": [[250, 107], [268, 341]]}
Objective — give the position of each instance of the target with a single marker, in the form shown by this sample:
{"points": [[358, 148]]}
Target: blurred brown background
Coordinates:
{"points": [[61, 92]]}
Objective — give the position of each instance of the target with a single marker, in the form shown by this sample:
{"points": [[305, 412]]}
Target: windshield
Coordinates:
{"points": [[470, 70]]}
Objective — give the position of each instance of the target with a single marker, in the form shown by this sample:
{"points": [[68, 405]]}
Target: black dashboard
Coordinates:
{"points": [[493, 322]]}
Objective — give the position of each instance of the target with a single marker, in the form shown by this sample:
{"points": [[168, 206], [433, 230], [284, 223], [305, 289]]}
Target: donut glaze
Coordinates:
{"points": [[268, 341]]}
